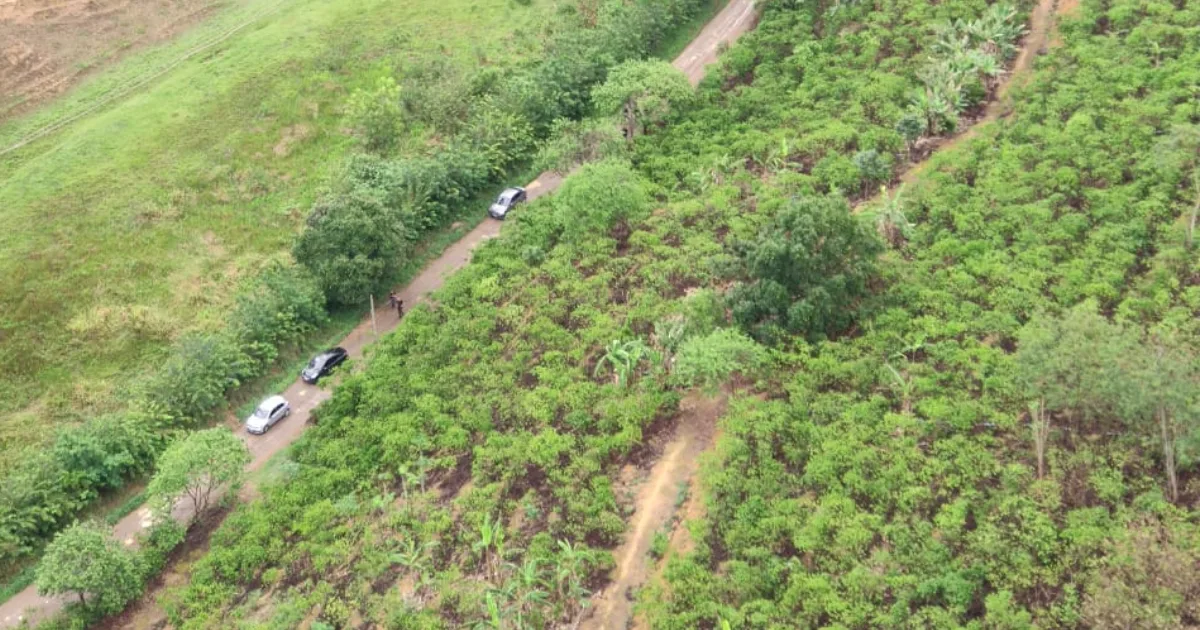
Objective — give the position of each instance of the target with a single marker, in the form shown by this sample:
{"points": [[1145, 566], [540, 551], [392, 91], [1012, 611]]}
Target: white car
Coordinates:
{"points": [[269, 412]]}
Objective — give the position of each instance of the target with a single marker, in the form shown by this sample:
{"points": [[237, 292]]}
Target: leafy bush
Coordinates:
{"points": [[597, 198], [279, 307], [198, 372], [352, 243], [87, 562], [807, 269], [710, 360], [572, 143], [375, 115]]}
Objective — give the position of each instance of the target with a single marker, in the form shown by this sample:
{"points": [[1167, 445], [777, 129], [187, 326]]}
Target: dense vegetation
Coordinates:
{"points": [[469, 476], [357, 235], [996, 443], [968, 405]]}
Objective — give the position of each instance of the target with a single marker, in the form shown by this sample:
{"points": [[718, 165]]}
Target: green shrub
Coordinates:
{"points": [[352, 243], [198, 372], [375, 115]]}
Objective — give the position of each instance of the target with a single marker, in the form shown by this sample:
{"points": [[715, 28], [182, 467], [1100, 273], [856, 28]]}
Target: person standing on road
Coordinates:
{"points": [[395, 302]]}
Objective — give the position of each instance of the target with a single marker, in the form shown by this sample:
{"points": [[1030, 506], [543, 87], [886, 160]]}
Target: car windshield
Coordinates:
{"points": [[503, 198]]}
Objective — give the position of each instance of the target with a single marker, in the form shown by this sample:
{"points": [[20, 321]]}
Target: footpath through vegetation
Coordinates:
{"points": [[970, 405], [1006, 436]]}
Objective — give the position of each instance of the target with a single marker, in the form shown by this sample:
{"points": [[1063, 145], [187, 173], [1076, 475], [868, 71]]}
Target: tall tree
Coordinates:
{"points": [[1167, 392], [1078, 365], [807, 269], [643, 92], [87, 562], [198, 467], [1179, 152], [352, 242]]}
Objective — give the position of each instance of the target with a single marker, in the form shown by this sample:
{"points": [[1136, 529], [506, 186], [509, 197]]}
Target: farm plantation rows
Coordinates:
{"points": [[969, 402], [963, 395]]}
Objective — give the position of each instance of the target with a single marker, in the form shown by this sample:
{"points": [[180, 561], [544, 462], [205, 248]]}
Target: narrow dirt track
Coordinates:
{"points": [[656, 502], [1036, 42], [736, 18], [634, 568]]}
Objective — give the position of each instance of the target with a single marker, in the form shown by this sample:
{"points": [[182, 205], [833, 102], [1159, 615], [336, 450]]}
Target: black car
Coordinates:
{"points": [[506, 201], [322, 364]]}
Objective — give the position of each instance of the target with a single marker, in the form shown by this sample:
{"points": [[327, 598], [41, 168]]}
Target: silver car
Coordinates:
{"points": [[269, 412], [506, 201]]}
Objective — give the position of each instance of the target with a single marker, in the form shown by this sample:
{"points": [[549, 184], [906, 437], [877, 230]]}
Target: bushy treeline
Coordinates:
{"points": [[1008, 438], [487, 120], [471, 473], [49, 488], [357, 236]]}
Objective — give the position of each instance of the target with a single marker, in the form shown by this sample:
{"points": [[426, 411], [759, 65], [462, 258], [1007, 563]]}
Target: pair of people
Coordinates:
{"points": [[395, 302]]}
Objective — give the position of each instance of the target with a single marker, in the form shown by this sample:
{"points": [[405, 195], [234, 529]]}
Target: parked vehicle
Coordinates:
{"points": [[269, 412], [322, 365], [506, 201]]}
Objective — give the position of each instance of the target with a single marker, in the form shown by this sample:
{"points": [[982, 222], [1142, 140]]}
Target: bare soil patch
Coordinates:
{"points": [[655, 506], [48, 46]]}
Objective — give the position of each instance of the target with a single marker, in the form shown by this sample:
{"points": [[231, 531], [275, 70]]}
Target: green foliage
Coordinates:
{"points": [[280, 307], [352, 244], [807, 269], [1080, 364], [645, 93], [876, 476], [375, 114], [710, 360], [598, 198], [1150, 580], [85, 561], [195, 378], [572, 143], [197, 468]]}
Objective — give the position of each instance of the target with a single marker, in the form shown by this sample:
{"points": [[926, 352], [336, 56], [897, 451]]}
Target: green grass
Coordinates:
{"points": [[126, 507], [137, 222]]}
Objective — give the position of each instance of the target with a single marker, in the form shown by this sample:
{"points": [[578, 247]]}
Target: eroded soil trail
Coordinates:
{"points": [[730, 23], [656, 503], [633, 569], [1035, 43]]}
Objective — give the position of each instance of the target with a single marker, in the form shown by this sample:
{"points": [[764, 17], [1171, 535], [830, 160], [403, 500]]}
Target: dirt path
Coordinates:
{"points": [[674, 470], [1035, 43], [656, 502], [736, 18]]}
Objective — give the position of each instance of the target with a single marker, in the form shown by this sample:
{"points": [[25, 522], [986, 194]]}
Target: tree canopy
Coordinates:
{"points": [[85, 561], [198, 467]]}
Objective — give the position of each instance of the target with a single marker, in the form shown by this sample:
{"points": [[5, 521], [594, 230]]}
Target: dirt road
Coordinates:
{"points": [[736, 18]]}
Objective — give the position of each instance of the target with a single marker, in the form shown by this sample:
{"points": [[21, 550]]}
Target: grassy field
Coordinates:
{"points": [[137, 222]]}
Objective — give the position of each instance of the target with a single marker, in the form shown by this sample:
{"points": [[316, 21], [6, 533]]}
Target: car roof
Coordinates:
{"points": [[272, 401], [512, 189]]}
